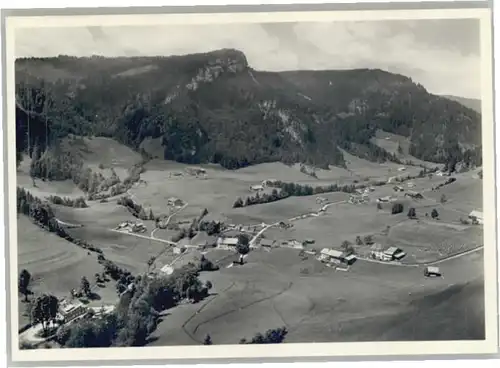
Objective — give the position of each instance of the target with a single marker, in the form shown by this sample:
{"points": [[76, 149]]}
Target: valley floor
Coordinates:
{"points": [[371, 301]]}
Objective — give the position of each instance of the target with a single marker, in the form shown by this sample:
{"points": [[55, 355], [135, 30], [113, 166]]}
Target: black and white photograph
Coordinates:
{"points": [[245, 181]]}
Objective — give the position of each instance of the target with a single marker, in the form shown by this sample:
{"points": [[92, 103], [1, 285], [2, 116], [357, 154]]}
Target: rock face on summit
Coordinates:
{"points": [[213, 107]]}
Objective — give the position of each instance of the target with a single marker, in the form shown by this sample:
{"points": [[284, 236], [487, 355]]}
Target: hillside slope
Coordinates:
{"points": [[214, 107], [471, 103]]}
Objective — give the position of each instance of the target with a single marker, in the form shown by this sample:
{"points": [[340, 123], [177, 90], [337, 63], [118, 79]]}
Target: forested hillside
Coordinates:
{"points": [[214, 107]]}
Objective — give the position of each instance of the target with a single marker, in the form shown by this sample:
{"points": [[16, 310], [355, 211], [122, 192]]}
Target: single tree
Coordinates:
{"points": [[379, 206], [434, 214], [412, 213], [44, 310], [85, 286], [397, 208], [345, 244], [208, 340], [443, 199], [24, 282], [208, 285], [238, 203], [359, 241]]}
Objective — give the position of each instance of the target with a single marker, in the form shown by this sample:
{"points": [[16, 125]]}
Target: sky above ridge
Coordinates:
{"points": [[442, 55]]}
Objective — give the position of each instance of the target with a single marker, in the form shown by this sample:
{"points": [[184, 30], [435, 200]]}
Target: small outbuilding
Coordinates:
{"points": [[476, 216], [432, 271]]}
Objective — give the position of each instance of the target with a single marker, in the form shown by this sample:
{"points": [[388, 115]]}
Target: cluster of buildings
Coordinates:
{"points": [[132, 227]]}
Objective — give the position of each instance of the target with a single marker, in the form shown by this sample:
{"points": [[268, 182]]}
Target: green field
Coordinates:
{"points": [[274, 288]]}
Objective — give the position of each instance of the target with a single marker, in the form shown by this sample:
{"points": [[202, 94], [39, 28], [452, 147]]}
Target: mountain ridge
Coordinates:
{"points": [[213, 107]]}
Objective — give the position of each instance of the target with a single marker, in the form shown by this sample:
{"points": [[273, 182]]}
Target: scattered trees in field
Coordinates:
{"points": [[24, 282]]}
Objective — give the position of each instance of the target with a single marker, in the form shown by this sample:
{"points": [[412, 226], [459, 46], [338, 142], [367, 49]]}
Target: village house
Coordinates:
{"points": [[167, 269], [402, 168], [476, 216], [394, 253], [331, 255], [398, 188], [256, 188], [227, 243], [138, 227], [384, 199], [69, 311], [295, 244], [411, 185], [179, 249], [320, 200], [432, 271], [268, 243], [413, 194], [176, 202], [376, 252]]}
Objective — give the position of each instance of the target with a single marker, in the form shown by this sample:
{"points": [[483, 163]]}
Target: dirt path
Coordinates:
{"points": [[191, 335], [144, 237], [270, 297]]}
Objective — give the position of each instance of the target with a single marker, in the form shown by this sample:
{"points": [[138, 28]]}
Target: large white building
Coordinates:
{"points": [[227, 243], [477, 216]]}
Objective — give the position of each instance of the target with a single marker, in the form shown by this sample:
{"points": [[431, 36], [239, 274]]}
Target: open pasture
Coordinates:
{"points": [[428, 240], [270, 291], [281, 210], [43, 189], [128, 251], [108, 152], [343, 222], [465, 194], [56, 265]]}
